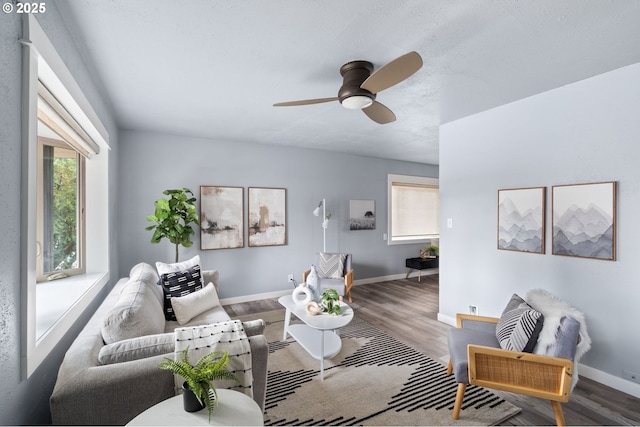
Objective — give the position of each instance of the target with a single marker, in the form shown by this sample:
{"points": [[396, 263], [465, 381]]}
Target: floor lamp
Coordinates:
{"points": [[325, 221]]}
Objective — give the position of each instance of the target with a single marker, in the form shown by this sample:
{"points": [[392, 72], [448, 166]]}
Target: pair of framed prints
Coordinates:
{"points": [[222, 217], [583, 220]]}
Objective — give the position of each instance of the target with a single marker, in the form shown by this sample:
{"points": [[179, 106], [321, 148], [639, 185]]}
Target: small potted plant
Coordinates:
{"points": [[173, 218], [198, 378], [329, 300], [429, 252]]}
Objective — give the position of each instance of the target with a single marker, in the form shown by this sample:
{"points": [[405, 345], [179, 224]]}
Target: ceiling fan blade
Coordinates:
{"points": [[304, 102], [379, 113], [393, 73]]}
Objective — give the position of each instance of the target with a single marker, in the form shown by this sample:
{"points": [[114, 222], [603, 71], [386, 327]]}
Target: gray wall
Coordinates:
{"points": [[27, 401], [151, 163], [580, 133]]}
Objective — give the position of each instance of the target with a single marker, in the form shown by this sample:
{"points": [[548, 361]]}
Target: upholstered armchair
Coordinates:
{"points": [[532, 349], [334, 272]]}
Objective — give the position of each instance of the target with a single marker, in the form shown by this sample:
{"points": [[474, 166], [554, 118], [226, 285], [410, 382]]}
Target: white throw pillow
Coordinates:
{"points": [[189, 306], [164, 268]]}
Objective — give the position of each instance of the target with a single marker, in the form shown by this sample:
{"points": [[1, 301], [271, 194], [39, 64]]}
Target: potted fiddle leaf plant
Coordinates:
{"points": [[329, 300], [198, 378], [173, 218]]}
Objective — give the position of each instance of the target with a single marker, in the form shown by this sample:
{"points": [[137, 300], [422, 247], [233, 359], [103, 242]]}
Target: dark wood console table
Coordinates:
{"points": [[420, 264]]}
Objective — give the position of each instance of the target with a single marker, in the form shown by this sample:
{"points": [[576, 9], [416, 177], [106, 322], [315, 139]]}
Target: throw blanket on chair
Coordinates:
{"points": [[553, 310], [226, 336]]}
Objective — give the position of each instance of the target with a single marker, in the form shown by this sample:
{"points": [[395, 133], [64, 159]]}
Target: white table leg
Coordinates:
{"points": [[287, 320], [322, 356]]}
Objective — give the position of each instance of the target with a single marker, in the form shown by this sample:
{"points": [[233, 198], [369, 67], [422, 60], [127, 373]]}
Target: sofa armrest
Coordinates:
{"points": [[535, 375], [259, 359], [211, 276], [254, 327], [131, 387]]}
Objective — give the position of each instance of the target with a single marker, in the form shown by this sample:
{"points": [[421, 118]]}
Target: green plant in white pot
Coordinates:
{"points": [[198, 378], [173, 218], [330, 301]]}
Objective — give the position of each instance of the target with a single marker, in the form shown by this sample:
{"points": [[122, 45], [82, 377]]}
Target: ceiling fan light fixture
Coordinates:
{"points": [[357, 102]]}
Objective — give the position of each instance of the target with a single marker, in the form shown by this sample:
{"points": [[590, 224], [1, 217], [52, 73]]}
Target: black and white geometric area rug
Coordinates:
{"points": [[374, 380]]}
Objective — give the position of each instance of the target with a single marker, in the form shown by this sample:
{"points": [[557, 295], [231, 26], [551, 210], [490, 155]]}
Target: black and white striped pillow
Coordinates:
{"points": [[179, 284], [519, 326]]}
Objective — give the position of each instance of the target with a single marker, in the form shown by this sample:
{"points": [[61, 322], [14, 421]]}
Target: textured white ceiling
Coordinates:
{"points": [[213, 68]]}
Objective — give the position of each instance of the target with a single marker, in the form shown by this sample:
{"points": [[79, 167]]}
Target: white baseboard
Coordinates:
{"points": [[256, 297], [287, 291], [451, 321], [609, 380], [429, 272]]}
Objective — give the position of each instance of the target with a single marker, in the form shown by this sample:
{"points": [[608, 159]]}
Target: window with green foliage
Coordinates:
{"points": [[60, 209]]}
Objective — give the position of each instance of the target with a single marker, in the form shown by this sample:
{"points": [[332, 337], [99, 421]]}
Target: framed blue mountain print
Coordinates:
{"points": [[584, 220], [521, 222]]}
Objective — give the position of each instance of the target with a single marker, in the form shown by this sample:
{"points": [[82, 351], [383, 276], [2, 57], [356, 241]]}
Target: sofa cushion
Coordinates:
{"points": [[137, 348], [179, 284], [459, 339], [136, 312], [331, 266], [146, 273], [189, 306], [519, 326]]}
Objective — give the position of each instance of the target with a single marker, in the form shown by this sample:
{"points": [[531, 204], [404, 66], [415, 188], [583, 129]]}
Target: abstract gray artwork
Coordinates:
{"points": [[267, 216], [584, 220], [221, 217], [521, 219]]}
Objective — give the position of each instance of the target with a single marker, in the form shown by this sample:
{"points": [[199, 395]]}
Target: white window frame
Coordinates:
{"points": [[409, 180], [42, 62]]}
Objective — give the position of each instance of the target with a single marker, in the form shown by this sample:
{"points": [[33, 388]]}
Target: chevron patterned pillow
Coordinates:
{"points": [[331, 266]]}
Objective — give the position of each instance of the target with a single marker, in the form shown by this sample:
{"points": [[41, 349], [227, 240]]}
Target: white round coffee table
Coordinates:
{"points": [[234, 409]]}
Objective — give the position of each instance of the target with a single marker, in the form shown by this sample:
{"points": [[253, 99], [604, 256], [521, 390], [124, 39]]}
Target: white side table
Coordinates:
{"points": [[234, 409], [318, 335]]}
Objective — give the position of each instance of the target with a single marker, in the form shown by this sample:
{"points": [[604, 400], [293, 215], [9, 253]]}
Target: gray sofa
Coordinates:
{"points": [[110, 383]]}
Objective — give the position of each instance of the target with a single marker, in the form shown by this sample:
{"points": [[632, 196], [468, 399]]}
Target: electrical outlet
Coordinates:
{"points": [[290, 278], [631, 376], [473, 309]]}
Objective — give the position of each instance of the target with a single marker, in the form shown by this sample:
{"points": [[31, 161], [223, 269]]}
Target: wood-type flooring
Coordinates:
{"points": [[408, 310]]}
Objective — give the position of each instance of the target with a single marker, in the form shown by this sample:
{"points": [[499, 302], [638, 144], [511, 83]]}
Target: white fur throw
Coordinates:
{"points": [[554, 309]]}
